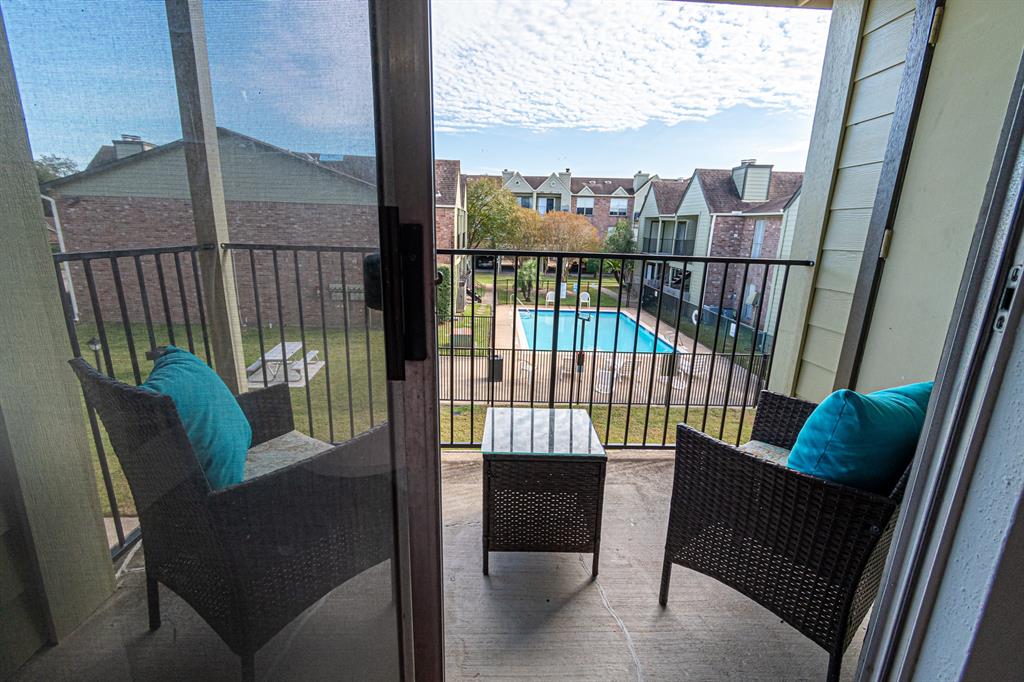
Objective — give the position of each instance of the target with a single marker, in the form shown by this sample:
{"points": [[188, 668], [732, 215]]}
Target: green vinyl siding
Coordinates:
{"points": [[954, 144], [694, 208], [877, 73]]}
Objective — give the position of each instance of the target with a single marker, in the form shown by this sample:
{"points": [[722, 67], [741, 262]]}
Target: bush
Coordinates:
{"points": [[444, 294], [592, 265]]}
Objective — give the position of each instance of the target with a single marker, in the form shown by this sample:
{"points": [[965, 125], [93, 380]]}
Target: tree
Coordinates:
{"points": [[620, 240], [568, 231], [50, 167], [527, 279], [444, 294], [490, 211], [528, 232], [564, 231]]}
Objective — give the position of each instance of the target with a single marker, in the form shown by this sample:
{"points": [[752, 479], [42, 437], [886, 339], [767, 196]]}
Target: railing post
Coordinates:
{"points": [[202, 161], [553, 374]]}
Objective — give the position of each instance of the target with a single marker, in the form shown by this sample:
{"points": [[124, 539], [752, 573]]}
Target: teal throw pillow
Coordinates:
{"points": [[216, 426], [864, 441]]}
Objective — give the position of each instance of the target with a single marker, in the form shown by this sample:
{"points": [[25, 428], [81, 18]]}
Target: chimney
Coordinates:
{"points": [[506, 175], [566, 178], [752, 180], [129, 145], [639, 179]]}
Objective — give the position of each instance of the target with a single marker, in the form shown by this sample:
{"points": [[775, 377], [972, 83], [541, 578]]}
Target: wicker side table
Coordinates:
{"points": [[543, 482]]}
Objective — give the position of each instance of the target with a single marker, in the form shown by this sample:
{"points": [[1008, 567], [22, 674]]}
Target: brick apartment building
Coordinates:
{"points": [[450, 227], [134, 195], [738, 212], [603, 201]]}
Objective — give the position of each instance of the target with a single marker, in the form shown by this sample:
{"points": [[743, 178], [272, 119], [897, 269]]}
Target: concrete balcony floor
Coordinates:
{"points": [[537, 616]]}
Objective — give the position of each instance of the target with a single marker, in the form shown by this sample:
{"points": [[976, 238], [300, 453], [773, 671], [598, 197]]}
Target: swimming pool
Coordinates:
{"points": [[602, 325]]}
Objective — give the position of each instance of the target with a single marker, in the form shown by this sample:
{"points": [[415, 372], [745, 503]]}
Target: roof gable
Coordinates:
{"points": [[253, 170], [518, 183], [668, 194], [721, 194], [552, 184]]}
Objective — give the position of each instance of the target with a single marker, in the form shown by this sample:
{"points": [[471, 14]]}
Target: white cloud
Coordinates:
{"points": [[608, 66], [308, 61]]}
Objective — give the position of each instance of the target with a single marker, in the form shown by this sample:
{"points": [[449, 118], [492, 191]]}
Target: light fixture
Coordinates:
{"points": [[94, 344]]}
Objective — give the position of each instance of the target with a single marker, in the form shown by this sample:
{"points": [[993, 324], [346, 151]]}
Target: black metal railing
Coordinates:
{"points": [[662, 358], [121, 304], [313, 296], [125, 303], [308, 300]]}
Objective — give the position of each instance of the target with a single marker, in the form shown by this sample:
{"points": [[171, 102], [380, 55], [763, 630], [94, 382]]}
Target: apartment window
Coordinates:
{"points": [[618, 207], [546, 204], [755, 249], [585, 205], [526, 202]]}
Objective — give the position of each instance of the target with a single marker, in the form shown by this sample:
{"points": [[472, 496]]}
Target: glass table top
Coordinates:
{"points": [[540, 431]]}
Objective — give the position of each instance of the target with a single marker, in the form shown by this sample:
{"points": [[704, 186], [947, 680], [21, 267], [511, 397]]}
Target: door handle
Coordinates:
{"points": [[373, 284], [394, 285]]}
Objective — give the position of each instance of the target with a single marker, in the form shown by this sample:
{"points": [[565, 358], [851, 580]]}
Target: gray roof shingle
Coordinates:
{"points": [[668, 194], [722, 197], [601, 185]]}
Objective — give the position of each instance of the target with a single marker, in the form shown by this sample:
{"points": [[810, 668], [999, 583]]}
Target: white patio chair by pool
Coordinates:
{"points": [[567, 366], [675, 376], [549, 299], [603, 381], [623, 366], [585, 299]]}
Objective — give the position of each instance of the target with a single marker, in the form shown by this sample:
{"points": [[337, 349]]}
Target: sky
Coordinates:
{"points": [[600, 86]]}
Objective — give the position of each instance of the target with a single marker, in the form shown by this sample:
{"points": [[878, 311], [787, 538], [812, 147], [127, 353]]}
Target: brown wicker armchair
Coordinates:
{"points": [[253, 556], [809, 550]]}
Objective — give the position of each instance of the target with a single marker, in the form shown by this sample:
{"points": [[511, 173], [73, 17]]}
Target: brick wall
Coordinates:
{"points": [[104, 223], [734, 237], [444, 227], [601, 219]]}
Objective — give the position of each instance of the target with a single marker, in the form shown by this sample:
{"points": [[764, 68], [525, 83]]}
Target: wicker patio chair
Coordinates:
{"points": [[251, 557], [809, 550]]}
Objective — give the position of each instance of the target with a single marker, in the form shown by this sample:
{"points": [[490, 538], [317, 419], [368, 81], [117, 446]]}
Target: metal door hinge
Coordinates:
{"points": [[933, 33], [1006, 299], [883, 252]]}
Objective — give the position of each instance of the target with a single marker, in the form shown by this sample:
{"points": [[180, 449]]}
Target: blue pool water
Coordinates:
{"points": [[602, 325]]}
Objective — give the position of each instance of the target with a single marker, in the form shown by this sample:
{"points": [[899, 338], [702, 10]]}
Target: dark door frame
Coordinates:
{"points": [[924, 33], [400, 35]]}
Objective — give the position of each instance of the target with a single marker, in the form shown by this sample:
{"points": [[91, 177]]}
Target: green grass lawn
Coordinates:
{"points": [[477, 317], [589, 283], [616, 432]]}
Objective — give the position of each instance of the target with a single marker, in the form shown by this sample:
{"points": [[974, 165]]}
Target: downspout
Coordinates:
{"points": [[60, 246]]}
